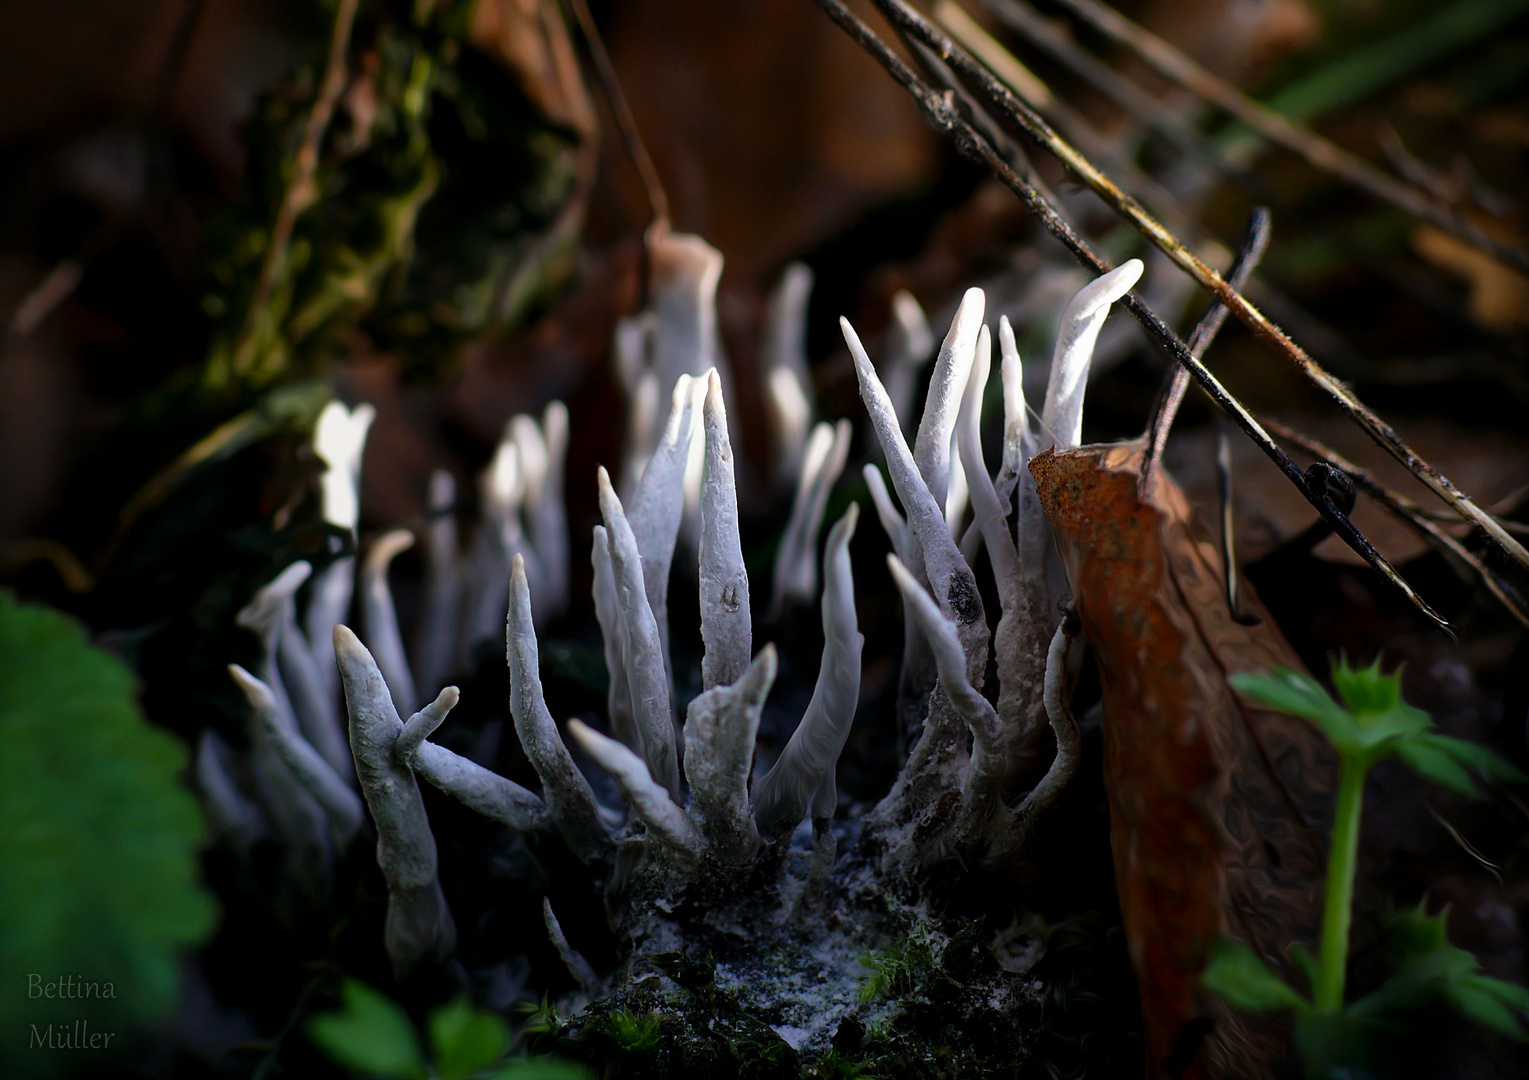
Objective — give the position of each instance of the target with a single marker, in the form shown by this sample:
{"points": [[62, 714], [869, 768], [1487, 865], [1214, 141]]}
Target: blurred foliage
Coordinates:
{"points": [[98, 856], [371, 1035], [1367, 65], [421, 225]]}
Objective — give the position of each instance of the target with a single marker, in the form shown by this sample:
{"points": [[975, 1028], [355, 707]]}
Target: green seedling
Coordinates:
{"points": [[1371, 723], [370, 1035]]}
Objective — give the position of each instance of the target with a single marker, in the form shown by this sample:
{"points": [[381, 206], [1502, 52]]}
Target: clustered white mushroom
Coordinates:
{"points": [[694, 810]]}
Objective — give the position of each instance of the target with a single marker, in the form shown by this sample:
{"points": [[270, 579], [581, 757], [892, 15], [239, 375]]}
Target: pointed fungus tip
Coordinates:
{"points": [[1118, 282], [518, 569], [901, 573], [583, 734], [290, 579], [388, 546], [346, 641]]}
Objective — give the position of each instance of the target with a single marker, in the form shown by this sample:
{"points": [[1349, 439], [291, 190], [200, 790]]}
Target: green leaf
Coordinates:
{"points": [[1429, 967], [1429, 755], [369, 1033], [1490, 1002], [1375, 701], [1300, 695], [1476, 756], [1366, 690], [541, 1068], [1240, 975], [1371, 725], [465, 1040], [98, 867]]}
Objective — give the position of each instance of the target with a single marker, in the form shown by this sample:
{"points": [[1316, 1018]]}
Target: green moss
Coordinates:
{"points": [[646, 1030]]}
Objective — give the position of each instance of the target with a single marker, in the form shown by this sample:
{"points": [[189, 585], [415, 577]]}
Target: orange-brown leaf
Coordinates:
{"points": [[1218, 810]]}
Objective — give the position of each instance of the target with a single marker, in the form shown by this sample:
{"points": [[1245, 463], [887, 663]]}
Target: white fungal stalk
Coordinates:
{"points": [[339, 438], [522, 513], [783, 358], [795, 580], [1082, 319]]}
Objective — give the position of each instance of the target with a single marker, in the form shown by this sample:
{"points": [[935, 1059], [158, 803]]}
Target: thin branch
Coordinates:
{"points": [[1255, 239], [631, 138], [1022, 120], [941, 112], [1025, 20], [1323, 154], [1410, 514], [300, 192]]}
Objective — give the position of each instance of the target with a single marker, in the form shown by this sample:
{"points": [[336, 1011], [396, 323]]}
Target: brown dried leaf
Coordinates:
{"points": [[1218, 811]]}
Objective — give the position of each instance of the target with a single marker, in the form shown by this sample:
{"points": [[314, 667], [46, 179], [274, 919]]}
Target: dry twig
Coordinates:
{"points": [[940, 110], [301, 191], [1254, 240], [1410, 514], [658, 201], [1022, 120]]}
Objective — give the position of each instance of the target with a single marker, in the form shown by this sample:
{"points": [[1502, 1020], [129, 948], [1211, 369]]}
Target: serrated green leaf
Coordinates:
{"points": [[369, 1034], [1240, 975], [466, 1040], [1414, 932], [98, 854], [1374, 699], [1368, 689], [1430, 967], [1369, 727]]}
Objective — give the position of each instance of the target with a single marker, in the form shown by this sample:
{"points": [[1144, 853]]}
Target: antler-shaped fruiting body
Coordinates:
{"points": [[695, 816], [418, 926], [958, 782]]}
